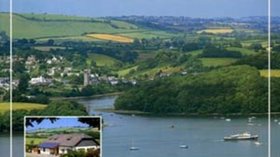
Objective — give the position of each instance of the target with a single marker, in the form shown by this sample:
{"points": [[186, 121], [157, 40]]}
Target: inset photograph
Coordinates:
{"points": [[62, 136]]}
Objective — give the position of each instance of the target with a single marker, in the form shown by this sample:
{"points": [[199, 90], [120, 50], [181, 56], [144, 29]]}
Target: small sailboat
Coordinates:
{"points": [[228, 119], [258, 143], [183, 146], [133, 148]]}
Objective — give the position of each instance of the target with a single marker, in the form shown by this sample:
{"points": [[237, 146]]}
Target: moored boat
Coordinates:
{"points": [[243, 136], [183, 146], [133, 148]]}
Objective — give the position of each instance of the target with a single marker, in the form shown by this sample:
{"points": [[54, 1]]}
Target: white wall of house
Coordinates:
{"points": [[45, 151], [64, 150], [85, 148]]}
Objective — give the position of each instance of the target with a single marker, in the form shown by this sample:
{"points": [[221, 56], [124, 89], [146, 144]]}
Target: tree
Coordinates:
{"points": [[3, 37], [23, 82], [18, 67], [50, 42], [256, 46], [233, 89], [92, 122]]}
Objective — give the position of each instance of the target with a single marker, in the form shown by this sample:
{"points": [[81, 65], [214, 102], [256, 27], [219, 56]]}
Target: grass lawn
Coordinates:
{"points": [[5, 106], [217, 30], [274, 73], [35, 141], [212, 62], [148, 34], [111, 37], [124, 72], [66, 27], [103, 60], [248, 43], [195, 52], [62, 27]]}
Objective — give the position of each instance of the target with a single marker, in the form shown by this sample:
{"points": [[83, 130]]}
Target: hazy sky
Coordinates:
{"points": [[191, 8]]}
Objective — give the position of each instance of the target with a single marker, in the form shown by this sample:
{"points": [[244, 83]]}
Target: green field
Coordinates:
{"points": [[40, 29], [35, 141], [126, 71], [243, 51], [20, 106], [148, 34], [102, 60], [274, 73], [221, 30], [212, 62], [195, 52], [45, 26], [248, 43]]}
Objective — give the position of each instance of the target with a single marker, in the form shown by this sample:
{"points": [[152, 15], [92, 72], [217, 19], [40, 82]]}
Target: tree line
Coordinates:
{"points": [[234, 89]]}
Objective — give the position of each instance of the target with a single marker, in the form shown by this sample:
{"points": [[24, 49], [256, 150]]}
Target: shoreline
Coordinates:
{"points": [[86, 97], [141, 113]]}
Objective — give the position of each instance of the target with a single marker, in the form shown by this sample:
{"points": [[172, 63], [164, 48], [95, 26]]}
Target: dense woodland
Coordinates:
{"points": [[234, 89]]}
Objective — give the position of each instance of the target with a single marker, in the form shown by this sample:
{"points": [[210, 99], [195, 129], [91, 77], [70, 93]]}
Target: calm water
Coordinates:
{"points": [[155, 137], [5, 146]]}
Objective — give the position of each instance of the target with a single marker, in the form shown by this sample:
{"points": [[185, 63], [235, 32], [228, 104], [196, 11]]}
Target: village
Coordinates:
{"points": [[54, 74]]}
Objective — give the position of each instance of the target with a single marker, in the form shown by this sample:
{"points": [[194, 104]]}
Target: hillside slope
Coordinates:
{"points": [[58, 26]]}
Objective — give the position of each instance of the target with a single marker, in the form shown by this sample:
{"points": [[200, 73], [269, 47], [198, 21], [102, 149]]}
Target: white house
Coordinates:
{"points": [[64, 143], [39, 80]]}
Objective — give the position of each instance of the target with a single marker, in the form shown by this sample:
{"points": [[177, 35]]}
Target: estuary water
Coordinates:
{"points": [[162, 136]]}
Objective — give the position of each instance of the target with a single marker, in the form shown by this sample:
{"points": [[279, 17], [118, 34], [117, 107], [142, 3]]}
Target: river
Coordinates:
{"points": [[155, 137]]}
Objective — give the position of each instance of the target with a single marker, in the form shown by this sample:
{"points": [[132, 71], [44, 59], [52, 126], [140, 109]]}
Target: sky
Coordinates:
{"points": [[190, 8], [62, 122]]}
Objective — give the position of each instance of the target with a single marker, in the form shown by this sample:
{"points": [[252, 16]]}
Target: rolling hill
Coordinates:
{"points": [[103, 60], [44, 26]]}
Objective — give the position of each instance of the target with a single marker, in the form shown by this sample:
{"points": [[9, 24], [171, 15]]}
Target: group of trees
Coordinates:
{"points": [[4, 43], [235, 89], [121, 52], [90, 153], [260, 61], [213, 51], [62, 108]]}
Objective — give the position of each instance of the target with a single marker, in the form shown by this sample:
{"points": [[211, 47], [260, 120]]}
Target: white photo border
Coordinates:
{"points": [[101, 128]]}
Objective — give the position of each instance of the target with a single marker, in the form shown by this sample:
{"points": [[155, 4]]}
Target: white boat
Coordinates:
{"points": [[183, 146], [133, 148], [243, 136], [228, 119]]}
